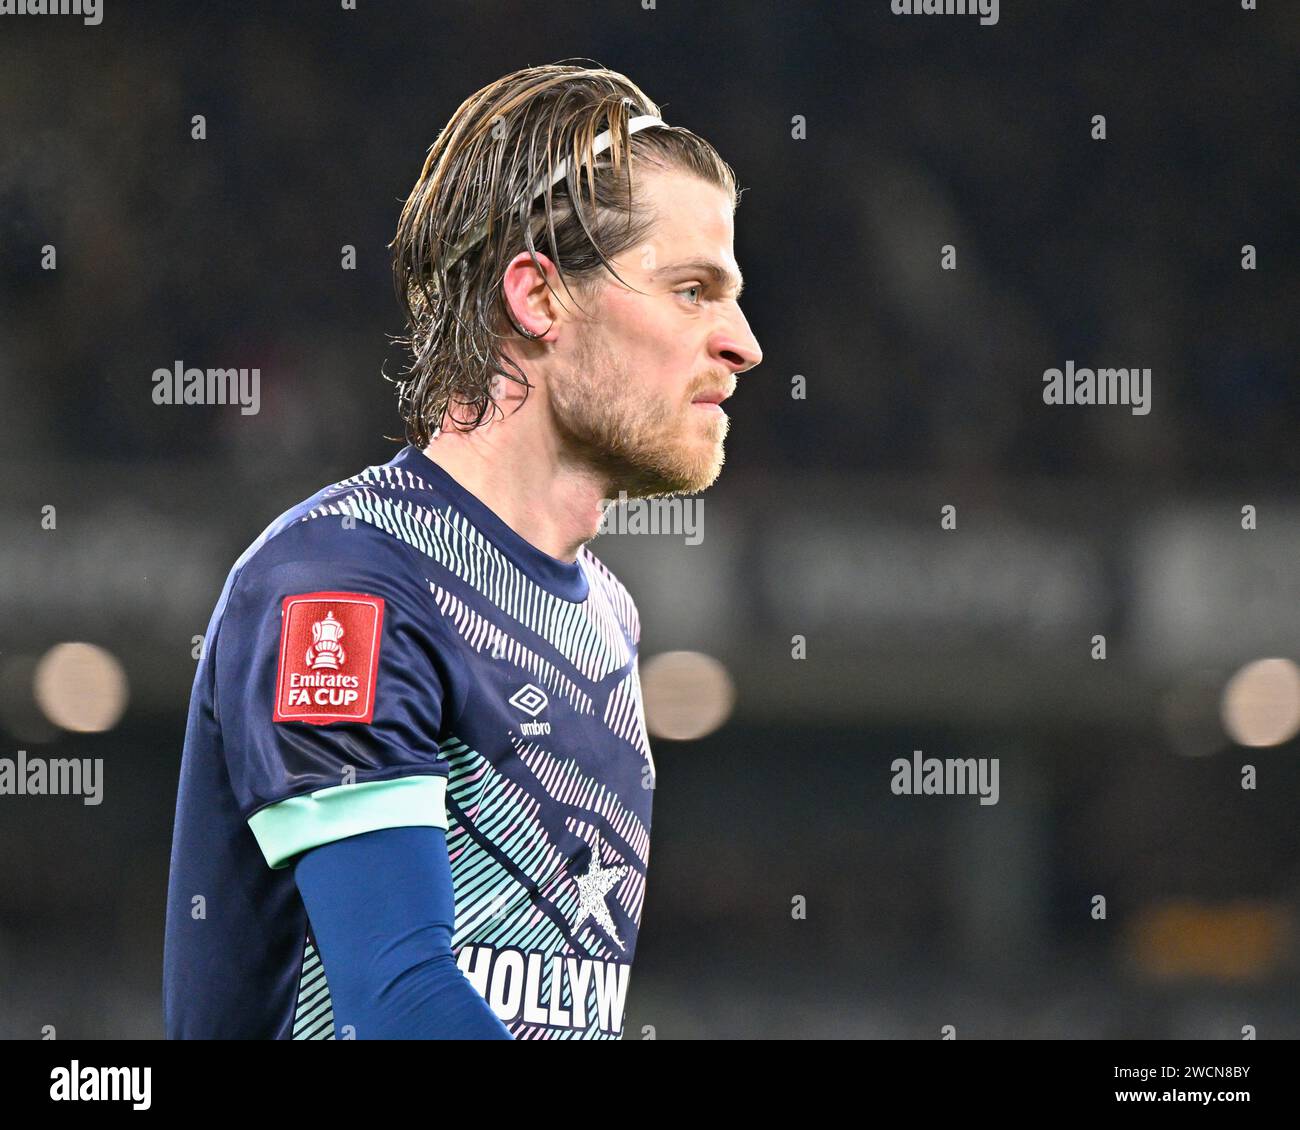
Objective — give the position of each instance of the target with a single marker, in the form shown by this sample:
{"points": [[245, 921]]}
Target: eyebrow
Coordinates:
{"points": [[710, 268]]}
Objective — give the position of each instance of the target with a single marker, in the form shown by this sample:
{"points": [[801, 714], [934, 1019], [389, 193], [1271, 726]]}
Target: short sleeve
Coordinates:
{"points": [[330, 689]]}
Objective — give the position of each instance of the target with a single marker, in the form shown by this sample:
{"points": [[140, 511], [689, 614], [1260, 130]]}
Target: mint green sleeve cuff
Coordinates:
{"points": [[291, 826]]}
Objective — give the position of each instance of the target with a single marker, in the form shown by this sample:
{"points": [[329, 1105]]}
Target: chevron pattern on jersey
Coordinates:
{"points": [[381, 475], [625, 716], [566, 783], [482, 635], [313, 1018], [496, 905], [539, 921], [589, 634], [507, 816], [616, 596]]}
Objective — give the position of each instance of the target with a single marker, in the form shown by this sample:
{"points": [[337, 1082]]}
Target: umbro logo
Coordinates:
{"points": [[532, 701]]}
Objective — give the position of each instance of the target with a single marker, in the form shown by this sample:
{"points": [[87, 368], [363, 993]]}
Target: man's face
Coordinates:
{"points": [[635, 387]]}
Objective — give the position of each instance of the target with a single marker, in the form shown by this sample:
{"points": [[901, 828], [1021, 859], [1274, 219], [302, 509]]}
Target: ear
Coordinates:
{"points": [[529, 298]]}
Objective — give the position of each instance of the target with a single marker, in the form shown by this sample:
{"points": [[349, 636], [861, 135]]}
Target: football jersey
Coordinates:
{"points": [[390, 653]]}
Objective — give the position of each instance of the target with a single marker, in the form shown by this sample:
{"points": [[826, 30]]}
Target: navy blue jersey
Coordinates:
{"points": [[389, 653]]}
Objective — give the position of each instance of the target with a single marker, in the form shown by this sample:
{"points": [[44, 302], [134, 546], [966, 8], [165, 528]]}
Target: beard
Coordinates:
{"points": [[642, 443]]}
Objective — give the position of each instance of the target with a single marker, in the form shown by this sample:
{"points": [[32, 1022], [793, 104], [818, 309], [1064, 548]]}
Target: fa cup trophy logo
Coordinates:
{"points": [[326, 653]]}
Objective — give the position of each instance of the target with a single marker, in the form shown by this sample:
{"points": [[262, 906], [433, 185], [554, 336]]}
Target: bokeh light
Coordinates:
{"points": [[687, 694], [1261, 703], [81, 687]]}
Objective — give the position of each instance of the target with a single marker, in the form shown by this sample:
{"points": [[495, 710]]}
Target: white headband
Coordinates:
{"points": [[602, 142]]}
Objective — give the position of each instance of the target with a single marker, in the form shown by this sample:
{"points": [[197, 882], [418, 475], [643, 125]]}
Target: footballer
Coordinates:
{"points": [[415, 793]]}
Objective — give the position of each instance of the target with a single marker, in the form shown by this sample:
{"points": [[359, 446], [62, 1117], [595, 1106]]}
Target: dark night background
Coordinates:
{"points": [[1118, 777]]}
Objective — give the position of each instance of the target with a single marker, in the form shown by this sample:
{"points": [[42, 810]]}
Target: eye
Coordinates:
{"points": [[688, 289]]}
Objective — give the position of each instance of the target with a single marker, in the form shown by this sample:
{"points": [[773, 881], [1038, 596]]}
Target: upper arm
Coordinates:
{"points": [[330, 690]]}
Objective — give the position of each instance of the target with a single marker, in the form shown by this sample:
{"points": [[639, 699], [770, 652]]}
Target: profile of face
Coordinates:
{"points": [[637, 377]]}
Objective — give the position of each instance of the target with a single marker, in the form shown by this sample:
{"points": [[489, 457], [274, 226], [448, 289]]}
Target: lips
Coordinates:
{"points": [[717, 396]]}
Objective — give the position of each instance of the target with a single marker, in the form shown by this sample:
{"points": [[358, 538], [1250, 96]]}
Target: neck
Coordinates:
{"points": [[518, 473]]}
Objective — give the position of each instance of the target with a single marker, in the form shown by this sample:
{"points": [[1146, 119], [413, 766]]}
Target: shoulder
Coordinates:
{"points": [[344, 538], [335, 556], [610, 591]]}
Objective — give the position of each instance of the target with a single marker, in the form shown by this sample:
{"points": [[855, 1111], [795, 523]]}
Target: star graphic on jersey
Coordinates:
{"points": [[592, 889]]}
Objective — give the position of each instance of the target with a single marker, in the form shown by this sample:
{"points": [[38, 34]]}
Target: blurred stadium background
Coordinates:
{"points": [[1119, 777]]}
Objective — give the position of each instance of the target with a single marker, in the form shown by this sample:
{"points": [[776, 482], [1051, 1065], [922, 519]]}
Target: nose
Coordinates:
{"points": [[735, 346]]}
